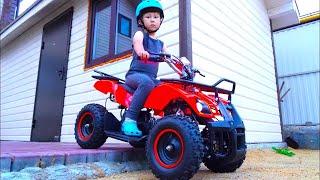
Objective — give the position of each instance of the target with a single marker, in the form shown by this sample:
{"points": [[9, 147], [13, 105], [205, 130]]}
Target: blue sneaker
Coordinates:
{"points": [[129, 127]]}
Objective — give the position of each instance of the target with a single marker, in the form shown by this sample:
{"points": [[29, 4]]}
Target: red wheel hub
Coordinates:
{"points": [[168, 148], [85, 126]]}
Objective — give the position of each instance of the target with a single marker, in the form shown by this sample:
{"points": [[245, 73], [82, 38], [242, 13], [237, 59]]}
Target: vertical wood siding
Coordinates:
{"points": [[232, 39]]}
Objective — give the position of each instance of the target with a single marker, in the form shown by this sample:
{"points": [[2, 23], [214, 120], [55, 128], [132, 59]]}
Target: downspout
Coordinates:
{"points": [[277, 81], [310, 18], [185, 37]]}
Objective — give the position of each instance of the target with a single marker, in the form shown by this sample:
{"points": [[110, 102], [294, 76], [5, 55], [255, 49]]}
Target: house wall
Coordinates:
{"points": [[232, 39], [19, 73], [19, 70]]}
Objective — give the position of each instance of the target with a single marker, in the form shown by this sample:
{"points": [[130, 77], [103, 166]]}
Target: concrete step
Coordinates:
{"points": [[17, 155]]}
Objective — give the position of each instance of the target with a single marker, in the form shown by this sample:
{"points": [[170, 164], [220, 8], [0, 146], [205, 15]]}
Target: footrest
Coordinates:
{"points": [[122, 137]]}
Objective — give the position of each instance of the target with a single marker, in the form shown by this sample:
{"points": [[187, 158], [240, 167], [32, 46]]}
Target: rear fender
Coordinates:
{"points": [[106, 86], [121, 95]]}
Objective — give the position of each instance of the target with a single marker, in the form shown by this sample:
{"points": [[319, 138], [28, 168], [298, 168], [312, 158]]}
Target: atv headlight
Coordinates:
{"points": [[203, 107]]}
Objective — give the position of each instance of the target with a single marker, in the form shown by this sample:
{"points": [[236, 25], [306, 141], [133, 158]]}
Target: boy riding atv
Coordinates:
{"points": [[168, 124], [143, 73]]}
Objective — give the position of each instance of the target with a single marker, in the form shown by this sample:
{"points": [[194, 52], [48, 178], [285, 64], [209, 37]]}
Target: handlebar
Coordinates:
{"points": [[179, 65], [158, 57]]}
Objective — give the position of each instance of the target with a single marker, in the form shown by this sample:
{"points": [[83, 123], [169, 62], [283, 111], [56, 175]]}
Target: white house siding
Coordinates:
{"points": [[79, 85], [19, 67], [19, 73], [232, 39]]}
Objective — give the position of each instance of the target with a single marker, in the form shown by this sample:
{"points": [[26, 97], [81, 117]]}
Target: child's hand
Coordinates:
{"points": [[144, 56]]}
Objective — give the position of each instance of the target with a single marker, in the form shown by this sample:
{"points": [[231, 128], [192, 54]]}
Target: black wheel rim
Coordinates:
{"points": [[169, 148]]}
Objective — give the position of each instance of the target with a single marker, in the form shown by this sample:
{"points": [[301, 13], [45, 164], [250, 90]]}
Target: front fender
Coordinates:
{"points": [[163, 94]]}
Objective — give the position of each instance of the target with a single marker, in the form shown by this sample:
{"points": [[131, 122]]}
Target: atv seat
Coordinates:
{"points": [[120, 81], [109, 77]]}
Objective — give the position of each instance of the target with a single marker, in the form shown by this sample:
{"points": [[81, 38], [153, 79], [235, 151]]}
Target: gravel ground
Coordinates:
{"points": [[260, 164]]}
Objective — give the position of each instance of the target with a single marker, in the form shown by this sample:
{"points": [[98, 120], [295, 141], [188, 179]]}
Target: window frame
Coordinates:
{"points": [[112, 56], [18, 2], [17, 10]]}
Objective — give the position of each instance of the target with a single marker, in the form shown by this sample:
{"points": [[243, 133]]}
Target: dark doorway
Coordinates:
{"points": [[52, 73]]}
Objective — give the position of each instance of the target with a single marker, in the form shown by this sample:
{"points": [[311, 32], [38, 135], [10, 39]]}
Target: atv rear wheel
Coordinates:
{"points": [[175, 148], [89, 127]]}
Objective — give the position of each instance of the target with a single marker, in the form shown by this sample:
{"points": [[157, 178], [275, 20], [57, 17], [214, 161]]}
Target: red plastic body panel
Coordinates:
{"points": [[161, 96], [108, 86]]}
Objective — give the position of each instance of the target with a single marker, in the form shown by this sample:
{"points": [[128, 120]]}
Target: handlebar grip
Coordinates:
{"points": [[155, 58], [161, 54]]}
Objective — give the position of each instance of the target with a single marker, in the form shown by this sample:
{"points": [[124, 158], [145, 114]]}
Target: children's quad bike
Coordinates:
{"points": [[170, 119]]}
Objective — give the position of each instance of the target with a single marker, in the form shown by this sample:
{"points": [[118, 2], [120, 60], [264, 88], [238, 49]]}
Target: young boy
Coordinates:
{"points": [[143, 73]]}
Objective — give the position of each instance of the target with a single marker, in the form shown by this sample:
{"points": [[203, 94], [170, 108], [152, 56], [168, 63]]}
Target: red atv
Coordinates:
{"points": [[170, 119]]}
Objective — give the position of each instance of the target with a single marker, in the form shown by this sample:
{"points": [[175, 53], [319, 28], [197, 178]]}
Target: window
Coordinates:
{"points": [[23, 5], [124, 25], [101, 29], [110, 30]]}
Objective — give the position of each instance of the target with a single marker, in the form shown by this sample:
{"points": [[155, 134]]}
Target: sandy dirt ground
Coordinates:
{"points": [[259, 164]]}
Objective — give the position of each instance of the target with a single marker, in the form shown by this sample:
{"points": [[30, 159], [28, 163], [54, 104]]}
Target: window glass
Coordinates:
{"points": [[23, 5], [124, 26], [112, 24], [1, 5], [101, 28]]}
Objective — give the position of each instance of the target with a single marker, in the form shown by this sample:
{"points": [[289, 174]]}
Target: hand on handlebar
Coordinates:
{"points": [[144, 56], [158, 57]]}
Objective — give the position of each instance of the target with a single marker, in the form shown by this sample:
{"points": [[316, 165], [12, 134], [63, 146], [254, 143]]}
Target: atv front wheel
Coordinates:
{"points": [[89, 127], [175, 148]]}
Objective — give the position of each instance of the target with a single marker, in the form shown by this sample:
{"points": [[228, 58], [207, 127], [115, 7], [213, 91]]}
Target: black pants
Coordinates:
{"points": [[143, 85]]}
